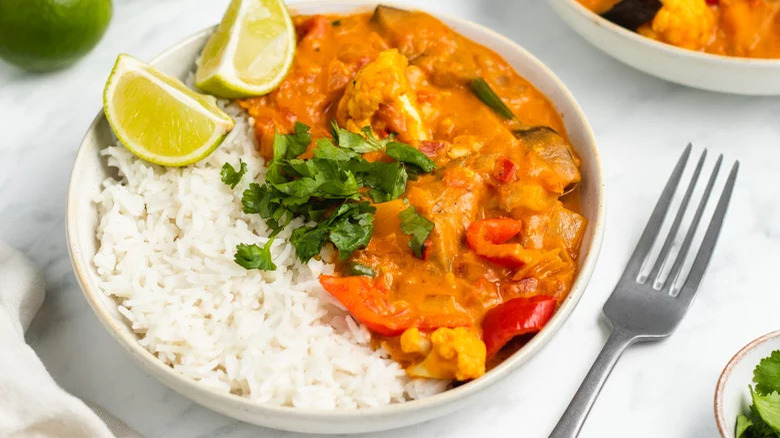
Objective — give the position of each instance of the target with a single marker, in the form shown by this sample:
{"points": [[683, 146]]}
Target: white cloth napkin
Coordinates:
{"points": [[31, 403]]}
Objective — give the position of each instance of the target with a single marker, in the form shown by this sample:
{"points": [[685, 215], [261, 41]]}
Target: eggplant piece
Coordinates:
{"points": [[633, 13], [547, 146], [386, 17]]}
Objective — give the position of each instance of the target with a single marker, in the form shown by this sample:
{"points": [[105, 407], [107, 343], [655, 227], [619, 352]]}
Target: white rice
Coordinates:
{"points": [[167, 238]]}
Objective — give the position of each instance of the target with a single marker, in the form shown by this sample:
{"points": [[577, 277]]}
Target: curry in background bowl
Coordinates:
{"points": [[743, 28]]}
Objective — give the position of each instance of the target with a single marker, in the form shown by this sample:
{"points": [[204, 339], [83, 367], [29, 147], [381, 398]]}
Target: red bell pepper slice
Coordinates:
{"points": [[504, 169], [369, 302], [515, 317], [488, 237]]}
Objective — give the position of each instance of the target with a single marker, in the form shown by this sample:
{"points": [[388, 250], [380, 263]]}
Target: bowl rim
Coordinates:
{"points": [[154, 366], [678, 51], [720, 418]]}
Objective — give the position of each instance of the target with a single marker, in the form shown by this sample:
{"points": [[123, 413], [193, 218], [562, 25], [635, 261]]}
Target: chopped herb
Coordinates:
{"points": [[387, 181], [763, 419], [330, 189], [336, 23], [743, 424], [255, 257], [767, 374], [417, 227], [358, 269], [482, 90], [407, 154], [291, 145], [230, 175], [360, 143]]}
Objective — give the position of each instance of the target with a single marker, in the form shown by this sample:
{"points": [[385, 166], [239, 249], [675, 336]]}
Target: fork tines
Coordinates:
{"points": [[643, 249]]}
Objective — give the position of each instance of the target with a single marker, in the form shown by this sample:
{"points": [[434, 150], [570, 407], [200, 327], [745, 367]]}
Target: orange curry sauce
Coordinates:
{"points": [[743, 28], [484, 171]]}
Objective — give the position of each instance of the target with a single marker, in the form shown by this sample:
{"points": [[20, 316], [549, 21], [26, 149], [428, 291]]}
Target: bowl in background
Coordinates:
{"points": [[727, 74], [732, 396]]}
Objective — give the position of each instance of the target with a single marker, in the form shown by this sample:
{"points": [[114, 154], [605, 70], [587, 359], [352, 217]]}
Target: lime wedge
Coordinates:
{"points": [[250, 52], [158, 118]]}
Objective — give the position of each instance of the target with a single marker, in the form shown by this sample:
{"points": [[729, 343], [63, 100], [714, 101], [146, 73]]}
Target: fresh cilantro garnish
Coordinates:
{"points": [[387, 181], [768, 408], [255, 257], [360, 143], [230, 175], [407, 154], [349, 227], [763, 420], [291, 145], [330, 189], [767, 374], [743, 424], [417, 227]]}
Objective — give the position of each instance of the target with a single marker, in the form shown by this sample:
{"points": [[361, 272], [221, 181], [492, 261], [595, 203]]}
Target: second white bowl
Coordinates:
{"points": [[726, 74]]}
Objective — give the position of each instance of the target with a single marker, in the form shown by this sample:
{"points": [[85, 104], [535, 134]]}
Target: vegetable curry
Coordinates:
{"points": [[746, 28], [476, 240]]}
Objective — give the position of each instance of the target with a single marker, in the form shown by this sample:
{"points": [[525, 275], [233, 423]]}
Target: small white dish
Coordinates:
{"points": [[732, 396], [725, 74], [90, 170]]}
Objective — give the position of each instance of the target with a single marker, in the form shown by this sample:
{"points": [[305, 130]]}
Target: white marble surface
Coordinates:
{"points": [[658, 390]]}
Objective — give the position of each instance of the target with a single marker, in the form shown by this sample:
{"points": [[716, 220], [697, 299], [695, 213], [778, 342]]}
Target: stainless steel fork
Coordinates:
{"points": [[649, 307]]}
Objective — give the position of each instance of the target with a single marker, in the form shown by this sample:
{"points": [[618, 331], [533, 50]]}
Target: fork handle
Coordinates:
{"points": [[573, 418]]}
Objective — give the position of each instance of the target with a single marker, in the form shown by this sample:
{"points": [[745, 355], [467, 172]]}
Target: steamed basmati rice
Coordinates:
{"points": [[167, 238]]}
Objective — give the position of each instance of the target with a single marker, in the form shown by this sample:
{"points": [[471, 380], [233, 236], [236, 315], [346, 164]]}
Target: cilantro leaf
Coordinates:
{"points": [[417, 227], [352, 230], [308, 241], [767, 374], [768, 408], [352, 141], [359, 143], [407, 154], [758, 429], [288, 146], [256, 199], [255, 257], [387, 181], [326, 150], [230, 175], [743, 424]]}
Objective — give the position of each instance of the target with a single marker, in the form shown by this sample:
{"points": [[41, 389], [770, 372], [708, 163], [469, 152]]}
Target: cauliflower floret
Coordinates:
{"points": [[449, 354], [381, 93], [684, 23]]}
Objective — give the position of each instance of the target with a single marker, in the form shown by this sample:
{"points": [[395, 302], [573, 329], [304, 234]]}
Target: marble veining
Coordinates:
{"points": [[641, 123]]}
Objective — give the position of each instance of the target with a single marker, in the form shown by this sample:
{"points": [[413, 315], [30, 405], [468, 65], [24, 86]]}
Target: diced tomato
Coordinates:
{"points": [[315, 27], [432, 147], [392, 119], [504, 169], [369, 301], [712, 2], [488, 237], [515, 317]]}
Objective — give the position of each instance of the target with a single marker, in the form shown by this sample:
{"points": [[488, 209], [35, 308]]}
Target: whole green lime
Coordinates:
{"points": [[42, 35]]}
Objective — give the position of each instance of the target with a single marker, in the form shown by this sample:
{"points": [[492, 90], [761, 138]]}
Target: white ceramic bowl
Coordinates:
{"points": [[90, 170], [732, 396], [726, 74]]}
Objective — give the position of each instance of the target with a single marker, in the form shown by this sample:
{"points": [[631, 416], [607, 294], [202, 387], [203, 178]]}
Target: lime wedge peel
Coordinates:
{"points": [[158, 118], [251, 51]]}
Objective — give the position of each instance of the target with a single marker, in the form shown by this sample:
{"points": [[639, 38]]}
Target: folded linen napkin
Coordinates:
{"points": [[31, 403]]}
